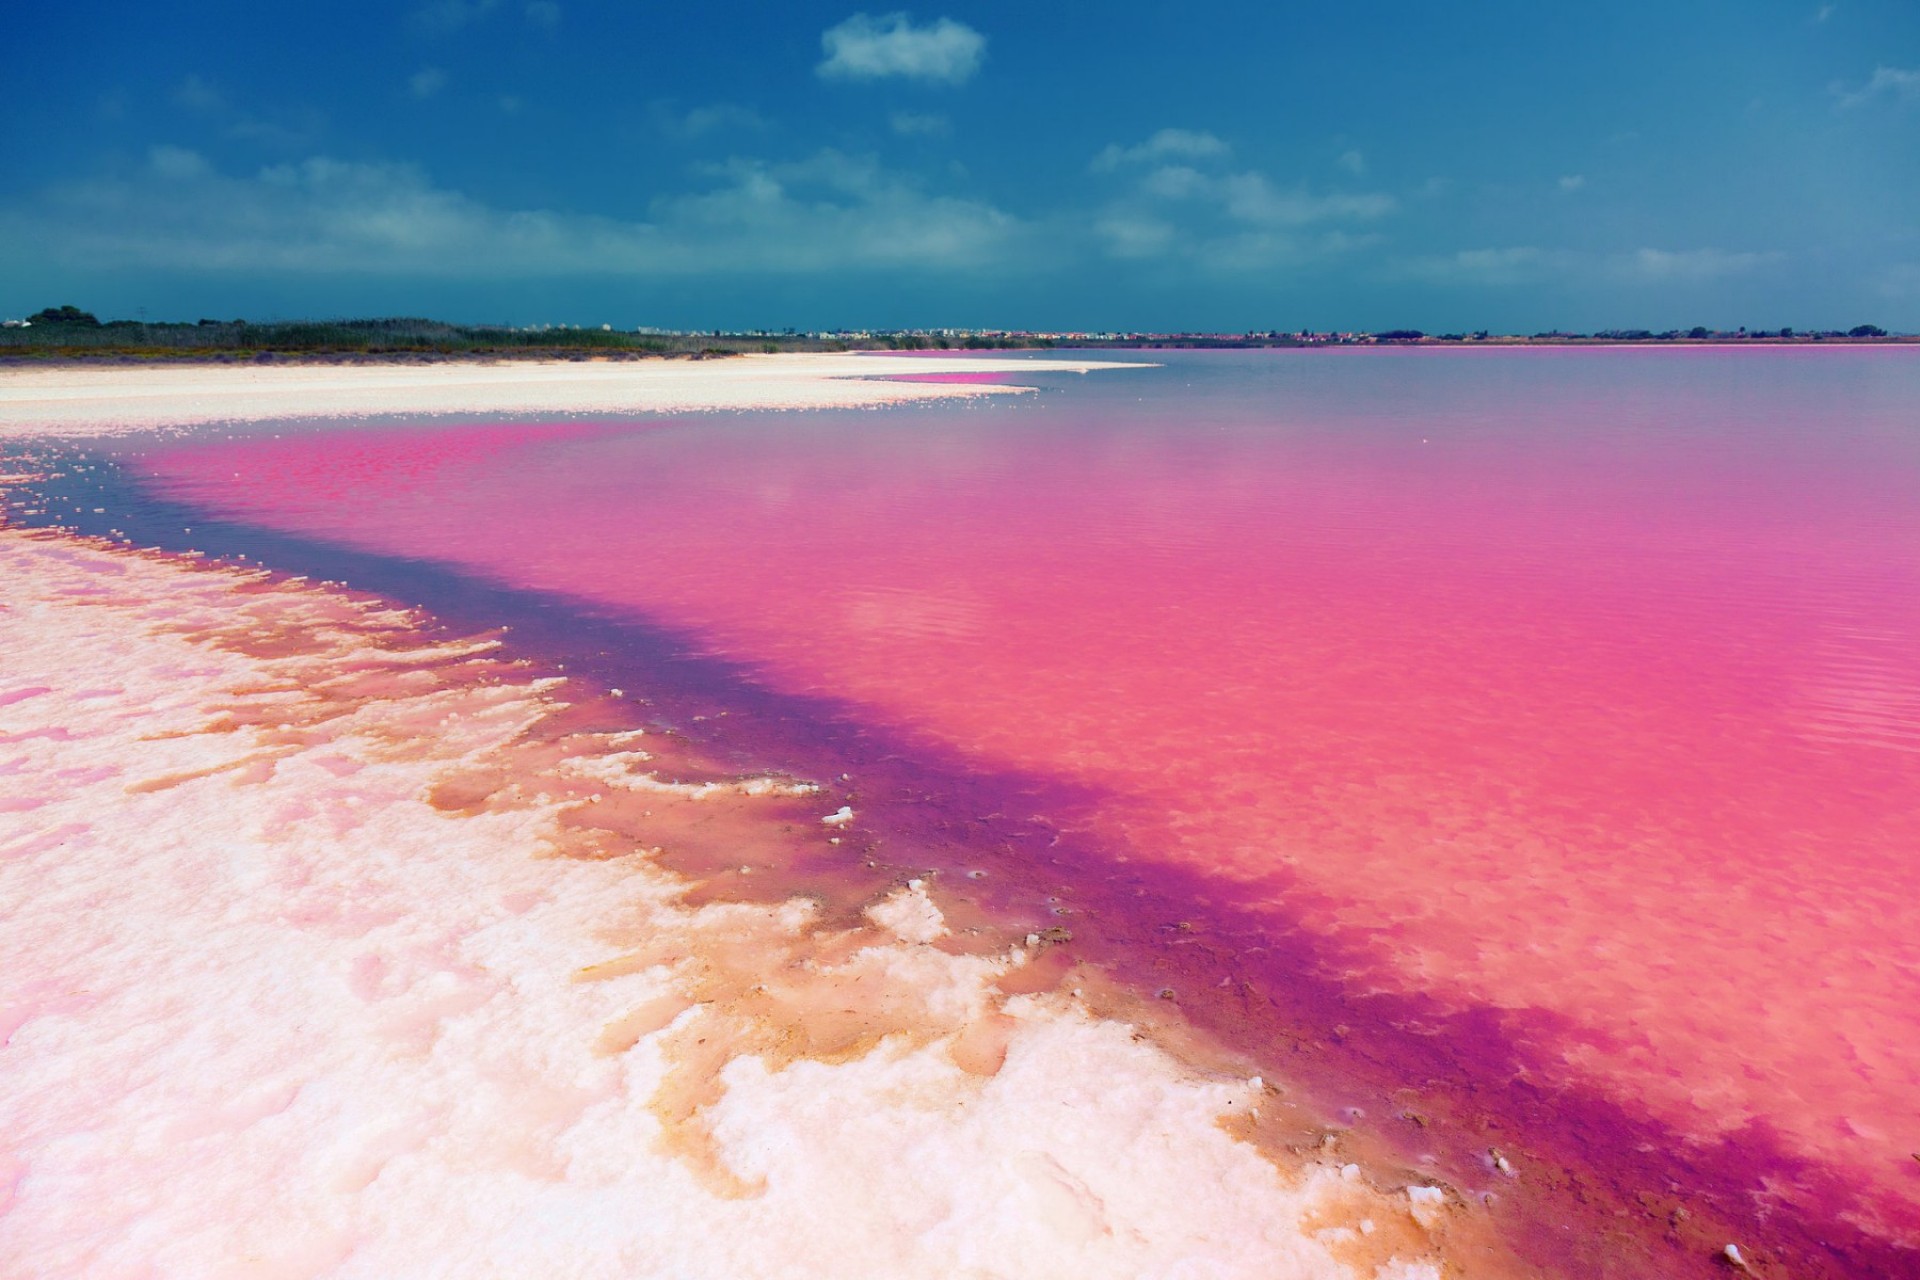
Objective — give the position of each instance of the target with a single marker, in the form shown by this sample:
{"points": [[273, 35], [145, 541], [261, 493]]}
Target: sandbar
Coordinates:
{"points": [[89, 400]]}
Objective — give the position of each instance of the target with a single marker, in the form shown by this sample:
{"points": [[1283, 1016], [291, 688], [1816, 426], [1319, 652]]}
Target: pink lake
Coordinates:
{"points": [[1532, 737]]}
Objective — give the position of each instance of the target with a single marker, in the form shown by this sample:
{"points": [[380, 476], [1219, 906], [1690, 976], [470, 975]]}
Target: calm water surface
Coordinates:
{"points": [[1544, 725]]}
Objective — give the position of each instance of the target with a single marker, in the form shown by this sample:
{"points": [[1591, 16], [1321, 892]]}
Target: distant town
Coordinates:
{"points": [[68, 332], [987, 338]]}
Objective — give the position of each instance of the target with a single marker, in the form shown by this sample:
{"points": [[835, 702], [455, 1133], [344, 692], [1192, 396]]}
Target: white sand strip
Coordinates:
{"points": [[276, 1001], [77, 399]]}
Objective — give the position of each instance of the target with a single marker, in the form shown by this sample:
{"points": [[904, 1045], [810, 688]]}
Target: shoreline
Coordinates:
{"points": [[429, 966]]}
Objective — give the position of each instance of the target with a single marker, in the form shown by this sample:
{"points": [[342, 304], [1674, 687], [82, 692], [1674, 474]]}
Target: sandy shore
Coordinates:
{"points": [[79, 400]]}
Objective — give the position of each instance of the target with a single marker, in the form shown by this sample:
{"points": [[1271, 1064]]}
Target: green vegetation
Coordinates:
{"points": [[69, 316], [68, 331]]}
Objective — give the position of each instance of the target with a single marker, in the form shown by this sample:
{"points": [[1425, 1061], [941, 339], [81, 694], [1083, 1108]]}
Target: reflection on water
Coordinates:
{"points": [[1578, 690]]}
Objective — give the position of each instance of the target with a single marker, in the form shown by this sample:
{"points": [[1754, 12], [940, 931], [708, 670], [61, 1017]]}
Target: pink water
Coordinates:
{"points": [[1562, 702]]}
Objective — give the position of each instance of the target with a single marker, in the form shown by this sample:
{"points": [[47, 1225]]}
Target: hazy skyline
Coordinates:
{"points": [[1127, 165]]}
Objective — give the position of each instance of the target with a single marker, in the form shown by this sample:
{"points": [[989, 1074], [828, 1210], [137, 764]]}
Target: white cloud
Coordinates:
{"points": [[177, 163], [285, 129], [1572, 181], [699, 122], [1354, 162], [1903, 86], [1901, 280], [196, 94], [1251, 198], [426, 82], [1506, 266], [1515, 265], [1529, 265], [831, 212], [1168, 144], [1824, 12], [444, 16], [1686, 264], [1241, 221], [916, 124], [1253, 251], [869, 48], [1136, 235], [1177, 182]]}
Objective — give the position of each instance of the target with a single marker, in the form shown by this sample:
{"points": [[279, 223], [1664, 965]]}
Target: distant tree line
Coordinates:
{"points": [[68, 330]]}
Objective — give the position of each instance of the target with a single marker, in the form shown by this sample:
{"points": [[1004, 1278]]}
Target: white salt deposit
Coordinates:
{"points": [[1427, 1204], [73, 400], [910, 915], [275, 1005]]}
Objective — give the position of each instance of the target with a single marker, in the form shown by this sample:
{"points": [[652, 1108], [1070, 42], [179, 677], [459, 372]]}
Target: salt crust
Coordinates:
{"points": [[94, 401], [268, 1012]]}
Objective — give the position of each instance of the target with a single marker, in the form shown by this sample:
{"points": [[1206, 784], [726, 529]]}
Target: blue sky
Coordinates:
{"points": [[1512, 166]]}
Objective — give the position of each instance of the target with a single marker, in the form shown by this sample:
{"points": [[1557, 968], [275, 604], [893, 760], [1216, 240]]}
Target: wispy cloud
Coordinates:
{"points": [[1902, 280], [1176, 210], [1133, 233], [703, 121], [1571, 182], [1252, 198], [1519, 264], [830, 212], [918, 124], [1167, 144], [442, 17], [869, 48], [1531, 265], [426, 82], [283, 129], [1686, 264], [196, 94], [1354, 162], [177, 163], [1891, 82], [789, 216]]}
